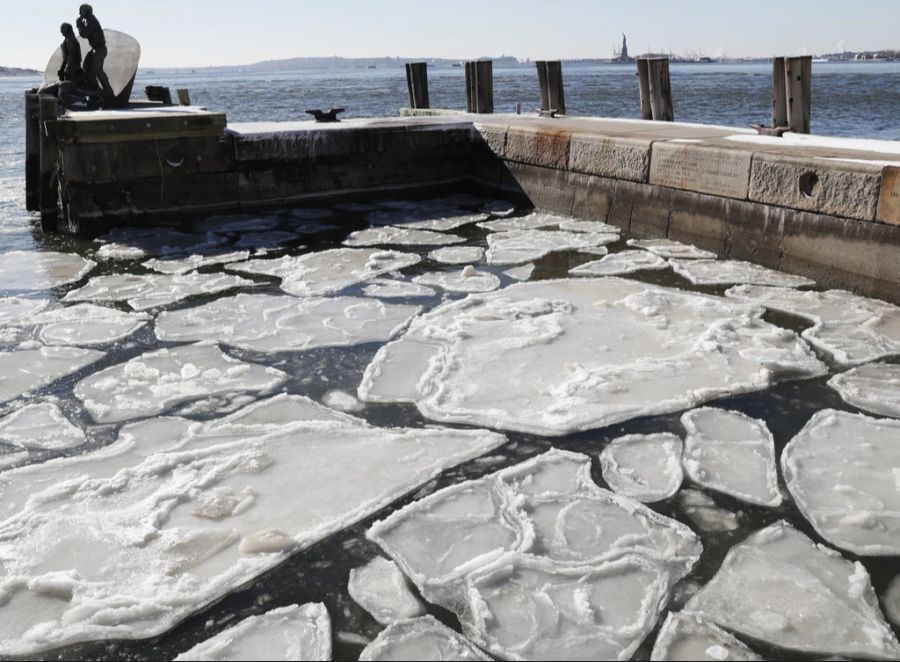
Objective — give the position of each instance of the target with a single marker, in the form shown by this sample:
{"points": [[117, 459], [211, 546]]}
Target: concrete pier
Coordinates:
{"points": [[824, 208]]}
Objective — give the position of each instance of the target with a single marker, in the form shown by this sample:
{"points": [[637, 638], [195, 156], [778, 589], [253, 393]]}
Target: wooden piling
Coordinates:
{"points": [[417, 83], [779, 91], [480, 86], [660, 89], [798, 92], [184, 97], [644, 84], [32, 151], [550, 80], [49, 164]]}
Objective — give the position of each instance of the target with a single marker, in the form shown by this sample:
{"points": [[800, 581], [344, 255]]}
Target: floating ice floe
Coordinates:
{"points": [[153, 291], [396, 289], [542, 538], [326, 272], [445, 223], [705, 514], [293, 634], [522, 273], [381, 589], [500, 208], [572, 225], [600, 250], [342, 401], [621, 263], [140, 243], [31, 271], [533, 221], [271, 239], [517, 246], [843, 471], [157, 381], [468, 280], [852, 328], [87, 325], [280, 323], [687, 637], [183, 265], [874, 388], [397, 236], [11, 458], [730, 452], [457, 254], [672, 249], [645, 467], [41, 427], [778, 586], [423, 638], [15, 311], [25, 370], [128, 541], [577, 354], [735, 272]]}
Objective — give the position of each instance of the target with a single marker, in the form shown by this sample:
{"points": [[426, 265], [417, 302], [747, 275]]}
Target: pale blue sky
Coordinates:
{"points": [[212, 32]]}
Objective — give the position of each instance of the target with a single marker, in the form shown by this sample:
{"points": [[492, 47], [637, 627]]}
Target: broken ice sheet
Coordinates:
{"points": [[874, 388], [25, 370], [183, 265], [280, 323], [423, 638], [672, 249], [342, 401], [533, 221], [16, 311], [853, 329], [778, 586], [30, 271], [687, 637], [154, 382], [140, 243], [735, 272], [536, 538], [468, 280], [398, 236], [457, 254], [41, 426], [517, 246], [326, 272], [445, 223], [380, 588], [294, 633], [705, 514], [87, 325], [128, 541], [843, 471], [573, 225], [396, 289], [152, 291], [522, 273], [730, 452], [620, 264], [643, 467], [578, 354]]}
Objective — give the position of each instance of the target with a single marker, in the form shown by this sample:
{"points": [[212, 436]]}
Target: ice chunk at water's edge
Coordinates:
{"points": [[380, 588], [420, 639], [644, 467], [686, 637], [874, 388]]}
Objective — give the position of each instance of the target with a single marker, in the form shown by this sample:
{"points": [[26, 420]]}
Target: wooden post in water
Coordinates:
{"points": [[32, 151], [644, 84], [779, 90], [49, 193], [480, 86], [184, 97], [660, 89], [550, 80], [417, 82], [798, 91]]}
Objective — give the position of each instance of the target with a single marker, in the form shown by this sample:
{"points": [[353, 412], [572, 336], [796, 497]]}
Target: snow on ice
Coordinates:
{"points": [[621, 263], [645, 467], [468, 280], [687, 637], [384, 288], [577, 354], [729, 452], [778, 586], [280, 323], [671, 249], [851, 328], [293, 634], [30, 271], [517, 246], [153, 291], [381, 589], [127, 541], [843, 471], [25, 370], [542, 539], [42, 427], [874, 388], [395, 236], [457, 254], [154, 382], [15, 311], [423, 638], [182, 265], [735, 272]]}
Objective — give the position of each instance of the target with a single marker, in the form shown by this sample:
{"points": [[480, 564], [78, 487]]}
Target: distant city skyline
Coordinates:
{"points": [[206, 33]]}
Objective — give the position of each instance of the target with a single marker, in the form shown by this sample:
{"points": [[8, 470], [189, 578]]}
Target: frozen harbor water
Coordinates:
{"points": [[216, 447]]}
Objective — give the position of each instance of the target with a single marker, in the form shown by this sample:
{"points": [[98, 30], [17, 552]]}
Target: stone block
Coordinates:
{"points": [[538, 147], [491, 138], [593, 197], [717, 171], [825, 186], [889, 199], [613, 157]]}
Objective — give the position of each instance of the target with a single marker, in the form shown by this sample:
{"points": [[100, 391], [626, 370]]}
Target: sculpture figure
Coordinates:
{"points": [[70, 70], [89, 28]]}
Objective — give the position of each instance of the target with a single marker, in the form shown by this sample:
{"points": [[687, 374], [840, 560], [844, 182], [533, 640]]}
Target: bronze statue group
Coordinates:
{"points": [[84, 81]]}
